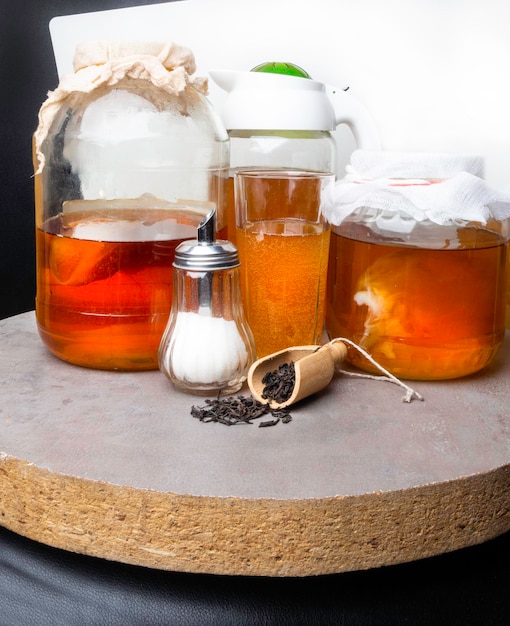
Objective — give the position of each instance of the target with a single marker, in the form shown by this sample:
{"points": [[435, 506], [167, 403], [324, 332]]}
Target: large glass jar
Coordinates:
{"points": [[129, 158], [425, 299]]}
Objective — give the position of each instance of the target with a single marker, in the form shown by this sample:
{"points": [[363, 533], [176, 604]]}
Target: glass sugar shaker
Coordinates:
{"points": [[207, 346]]}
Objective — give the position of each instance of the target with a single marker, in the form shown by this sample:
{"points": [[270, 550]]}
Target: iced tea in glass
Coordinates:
{"points": [[283, 241]]}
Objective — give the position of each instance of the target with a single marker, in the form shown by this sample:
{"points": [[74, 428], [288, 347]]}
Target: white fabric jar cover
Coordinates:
{"points": [[167, 66], [443, 188]]}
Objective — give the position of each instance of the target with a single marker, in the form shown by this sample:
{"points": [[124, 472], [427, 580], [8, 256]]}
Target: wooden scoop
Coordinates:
{"points": [[314, 369]]}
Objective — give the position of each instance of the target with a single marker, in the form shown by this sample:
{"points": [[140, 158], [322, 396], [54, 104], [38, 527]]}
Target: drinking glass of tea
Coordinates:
{"points": [[283, 240]]}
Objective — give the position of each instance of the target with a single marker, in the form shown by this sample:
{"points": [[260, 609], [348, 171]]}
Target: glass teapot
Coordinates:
{"points": [[278, 117]]}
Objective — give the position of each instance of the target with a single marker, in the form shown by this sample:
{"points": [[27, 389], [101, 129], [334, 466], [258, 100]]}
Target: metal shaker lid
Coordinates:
{"points": [[205, 252]]}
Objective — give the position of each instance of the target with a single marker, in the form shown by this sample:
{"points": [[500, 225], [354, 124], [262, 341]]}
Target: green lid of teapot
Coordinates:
{"points": [[277, 67]]}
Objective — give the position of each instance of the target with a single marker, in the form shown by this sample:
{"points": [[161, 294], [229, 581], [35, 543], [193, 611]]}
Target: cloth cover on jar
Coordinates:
{"points": [[167, 66], [442, 188]]}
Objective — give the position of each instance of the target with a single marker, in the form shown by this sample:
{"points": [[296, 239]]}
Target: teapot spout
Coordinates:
{"points": [[226, 79]]}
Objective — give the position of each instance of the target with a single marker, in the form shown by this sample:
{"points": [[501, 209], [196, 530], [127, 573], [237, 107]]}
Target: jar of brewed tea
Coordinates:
{"points": [[129, 158], [418, 263]]}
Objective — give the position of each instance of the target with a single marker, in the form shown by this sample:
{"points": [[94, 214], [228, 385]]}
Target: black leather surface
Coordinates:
{"points": [[43, 586]]}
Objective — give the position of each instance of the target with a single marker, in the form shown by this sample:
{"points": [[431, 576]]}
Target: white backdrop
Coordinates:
{"points": [[434, 74]]}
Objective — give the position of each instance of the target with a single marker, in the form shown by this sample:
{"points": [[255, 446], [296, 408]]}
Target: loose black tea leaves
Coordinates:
{"points": [[279, 384], [233, 410]]}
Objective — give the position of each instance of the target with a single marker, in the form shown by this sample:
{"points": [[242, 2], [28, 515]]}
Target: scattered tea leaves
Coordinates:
{"points": [[269, 423], [233, 410]]}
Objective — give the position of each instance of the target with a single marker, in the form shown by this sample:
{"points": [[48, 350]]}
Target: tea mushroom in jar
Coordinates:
{"points": [[129, 158], [423, 291]]}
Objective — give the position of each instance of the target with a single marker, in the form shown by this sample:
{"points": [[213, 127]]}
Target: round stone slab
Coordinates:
{"points": [[112, 464]]}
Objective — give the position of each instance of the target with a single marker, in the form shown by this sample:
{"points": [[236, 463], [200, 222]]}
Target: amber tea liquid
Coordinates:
{"points": [[507, 316], [421, 313], [102, 302], [283, 281], [283, 243]]}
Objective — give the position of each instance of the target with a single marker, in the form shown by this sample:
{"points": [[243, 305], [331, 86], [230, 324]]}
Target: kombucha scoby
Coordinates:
{"points": [[104, 284], [421, 313]]}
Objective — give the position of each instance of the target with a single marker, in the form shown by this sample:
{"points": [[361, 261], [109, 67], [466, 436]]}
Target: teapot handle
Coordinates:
{"points": [[348, 110]]}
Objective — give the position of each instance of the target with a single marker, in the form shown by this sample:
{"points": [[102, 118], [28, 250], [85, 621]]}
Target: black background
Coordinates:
{"points": [[43, 586], [27, 73]]}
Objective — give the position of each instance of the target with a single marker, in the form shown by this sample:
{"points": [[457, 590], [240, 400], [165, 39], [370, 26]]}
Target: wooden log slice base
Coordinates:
{"points": [[113, 465]]}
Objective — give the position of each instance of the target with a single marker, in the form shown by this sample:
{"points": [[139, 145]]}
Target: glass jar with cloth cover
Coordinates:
{"points": [[129, 158], [417, 265]]}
